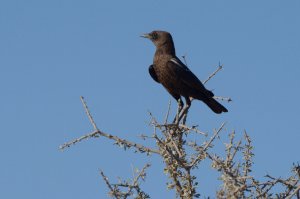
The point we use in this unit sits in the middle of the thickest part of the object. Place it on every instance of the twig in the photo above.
(228, 99)
(182, 126)
(68, 144)
(168, 112)
(88, 113)
(112, 191)
(184, 59)
(271, 185)
(135, 181)
(166, 148)
(294, 193)
(207, 145)
(142, 173)
(174, 144)
(193, 128)
(185, 116)
(112, 137)
(214, 73)
(166, 133)
(97, 133)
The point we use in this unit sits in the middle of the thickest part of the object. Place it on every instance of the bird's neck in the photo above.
(166, 48)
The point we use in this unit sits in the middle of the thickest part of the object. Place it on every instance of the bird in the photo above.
(168, 70)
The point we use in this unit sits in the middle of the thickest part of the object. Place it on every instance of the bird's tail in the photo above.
(215, 106)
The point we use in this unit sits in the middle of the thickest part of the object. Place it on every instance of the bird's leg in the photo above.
(180, 105)
(179, 108)
(184, 112)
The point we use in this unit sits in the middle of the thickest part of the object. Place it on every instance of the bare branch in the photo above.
(168, 112)
(135, 184)
(296, 191)
(113, 191)
(184, 59)
(116, 190)
(228, 99)
(208, 144)
(118, 140)
(98, 133)
(88, 113)
(213, 74)
(182, 155)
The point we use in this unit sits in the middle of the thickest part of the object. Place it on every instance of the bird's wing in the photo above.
(186, 76)
(153, 74)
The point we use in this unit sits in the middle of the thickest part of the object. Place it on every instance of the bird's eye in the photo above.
(154, 35)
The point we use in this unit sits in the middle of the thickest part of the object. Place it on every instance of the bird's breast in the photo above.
(161, 70)
(166, 76)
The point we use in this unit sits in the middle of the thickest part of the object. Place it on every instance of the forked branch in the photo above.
(96, 133)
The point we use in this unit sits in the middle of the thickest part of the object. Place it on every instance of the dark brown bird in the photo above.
(175, 76)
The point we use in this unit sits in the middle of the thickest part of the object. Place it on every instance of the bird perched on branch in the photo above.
(175, 76)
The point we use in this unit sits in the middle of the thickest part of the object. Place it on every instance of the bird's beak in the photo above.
(146, 36)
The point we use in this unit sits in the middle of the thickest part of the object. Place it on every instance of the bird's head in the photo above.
(159, 38)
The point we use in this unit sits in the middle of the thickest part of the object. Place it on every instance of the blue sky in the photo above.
(51, 52)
